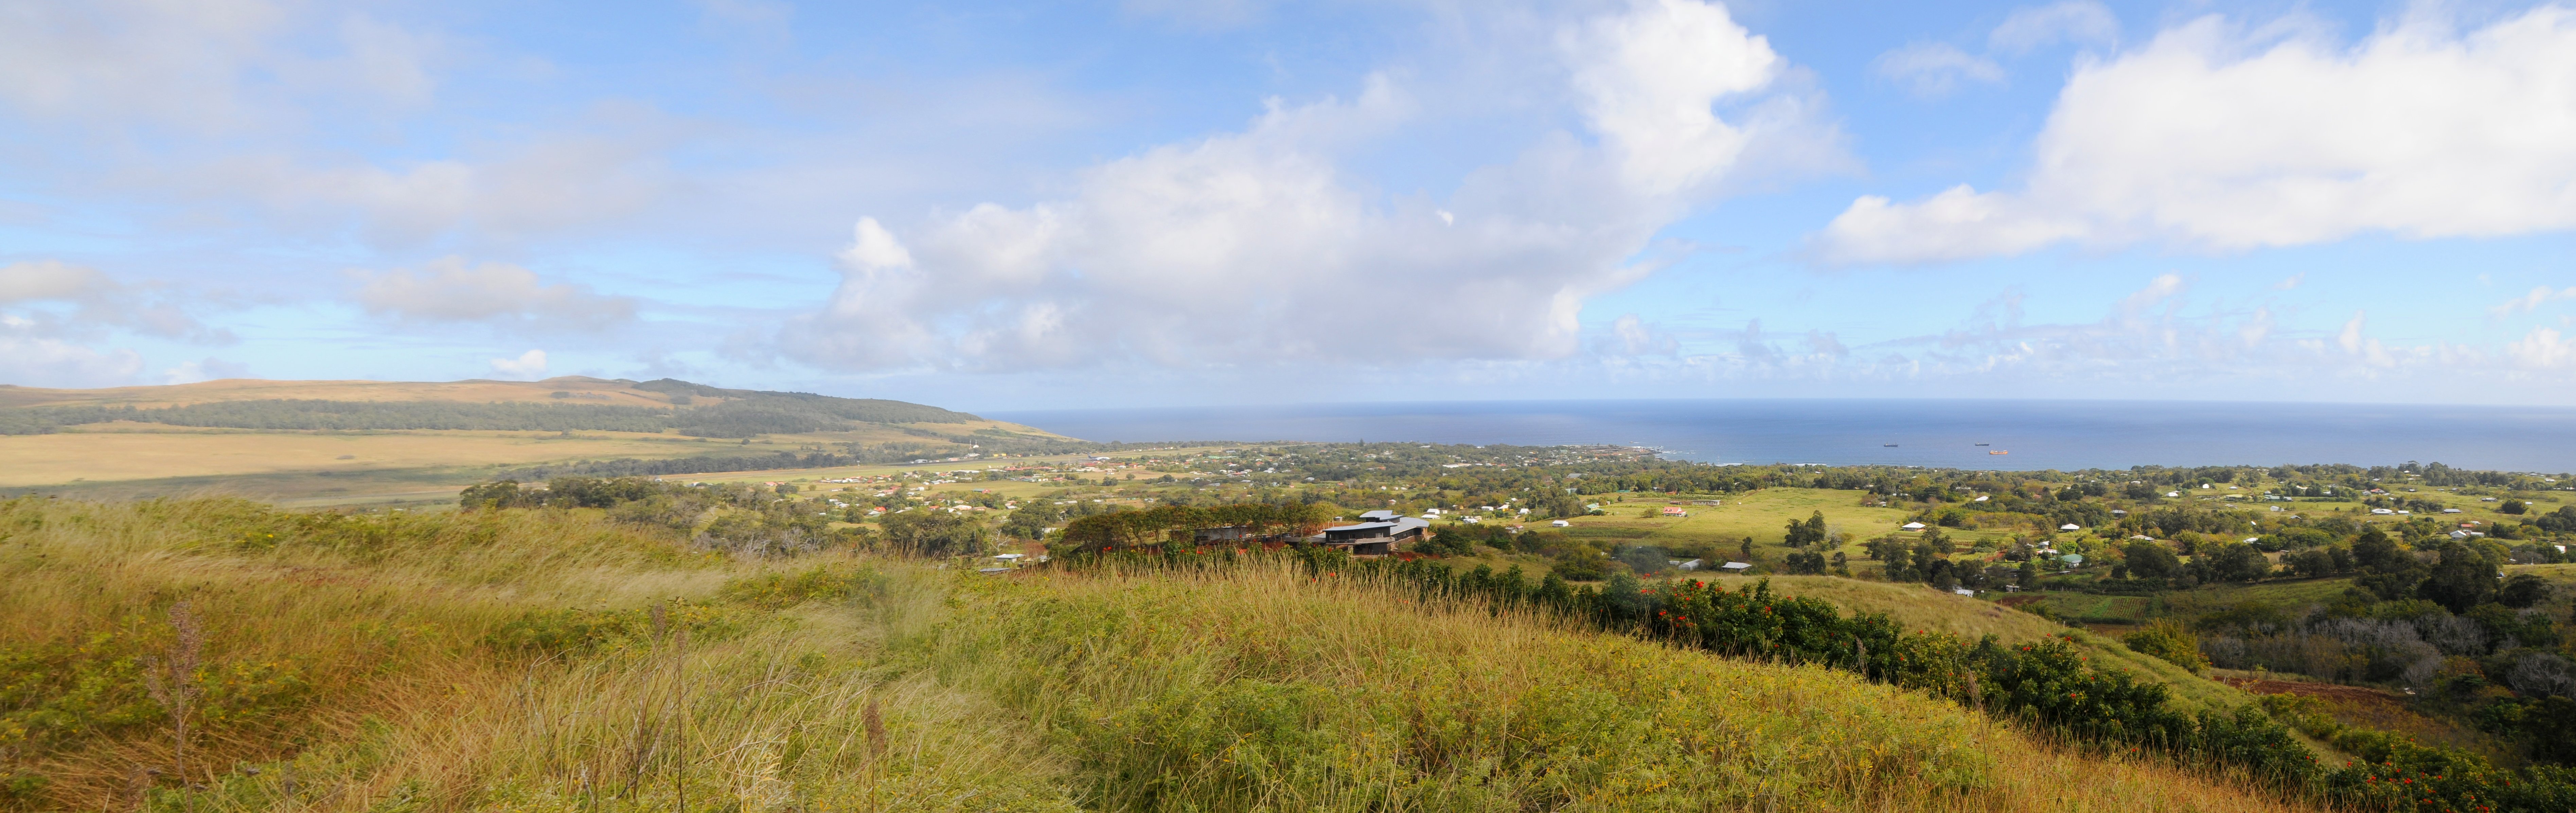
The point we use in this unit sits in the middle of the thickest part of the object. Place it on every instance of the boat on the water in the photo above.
(1888, 445)
(1998, 451)
(1985, 444)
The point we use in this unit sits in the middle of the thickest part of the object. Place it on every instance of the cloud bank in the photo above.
(1257, 246)
(2212, 137)
(450, 290)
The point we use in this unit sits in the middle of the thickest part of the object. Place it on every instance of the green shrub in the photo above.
(2170, 641)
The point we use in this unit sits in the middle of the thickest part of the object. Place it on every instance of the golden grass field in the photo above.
(127, 459)
(120, 453)
(504, 661)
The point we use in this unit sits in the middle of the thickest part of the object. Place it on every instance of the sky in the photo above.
(996, 206)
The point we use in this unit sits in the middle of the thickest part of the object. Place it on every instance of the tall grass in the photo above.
(1259, 689)
(514, 661)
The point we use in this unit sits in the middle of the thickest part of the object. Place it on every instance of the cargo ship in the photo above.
(1998, 451)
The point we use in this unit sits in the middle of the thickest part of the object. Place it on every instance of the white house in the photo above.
(1910, 526)
(1561, 524)
(1736, 567)
(2070, 527)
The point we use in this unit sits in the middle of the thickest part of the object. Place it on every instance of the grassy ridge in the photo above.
(510, 660)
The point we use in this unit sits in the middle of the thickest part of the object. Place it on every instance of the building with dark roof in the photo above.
(1378, 535)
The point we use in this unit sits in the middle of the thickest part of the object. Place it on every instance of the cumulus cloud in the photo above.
(2217, 138)
(2542, 349)
(1934, 69)
(2082, 22)
(1257, 246)
(450, 290)
(530, 365)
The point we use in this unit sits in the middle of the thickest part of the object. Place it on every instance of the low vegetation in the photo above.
(558, 658)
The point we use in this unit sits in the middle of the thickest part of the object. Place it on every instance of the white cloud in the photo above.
(1256, 247)
(1934, 69)
(449, 290)
(2083, 22)
(1648, 79)
(2542, 349)
(530, 365)
(2529, 302)
(2214, 138)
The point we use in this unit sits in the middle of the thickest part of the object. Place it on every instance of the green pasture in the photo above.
(1763, 515)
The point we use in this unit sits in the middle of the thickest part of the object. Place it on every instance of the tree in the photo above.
(1803, 534)
(2148, 560)
(2235, 562)
(2465, 578)
(2513, 506)
(2389, 571)
(1747, 549)
(2029, 579)
(2523, 590)
(935, 533)
(2310, 563)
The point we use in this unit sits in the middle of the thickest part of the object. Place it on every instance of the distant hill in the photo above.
(568, 403)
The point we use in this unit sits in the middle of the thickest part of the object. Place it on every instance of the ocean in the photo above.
(2063, 435)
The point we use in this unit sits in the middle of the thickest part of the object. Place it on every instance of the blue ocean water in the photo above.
(2062, 435)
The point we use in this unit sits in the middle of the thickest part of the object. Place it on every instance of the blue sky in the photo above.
(998, 206)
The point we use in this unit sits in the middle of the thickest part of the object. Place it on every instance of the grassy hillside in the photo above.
(361, 442)
(515, 660)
